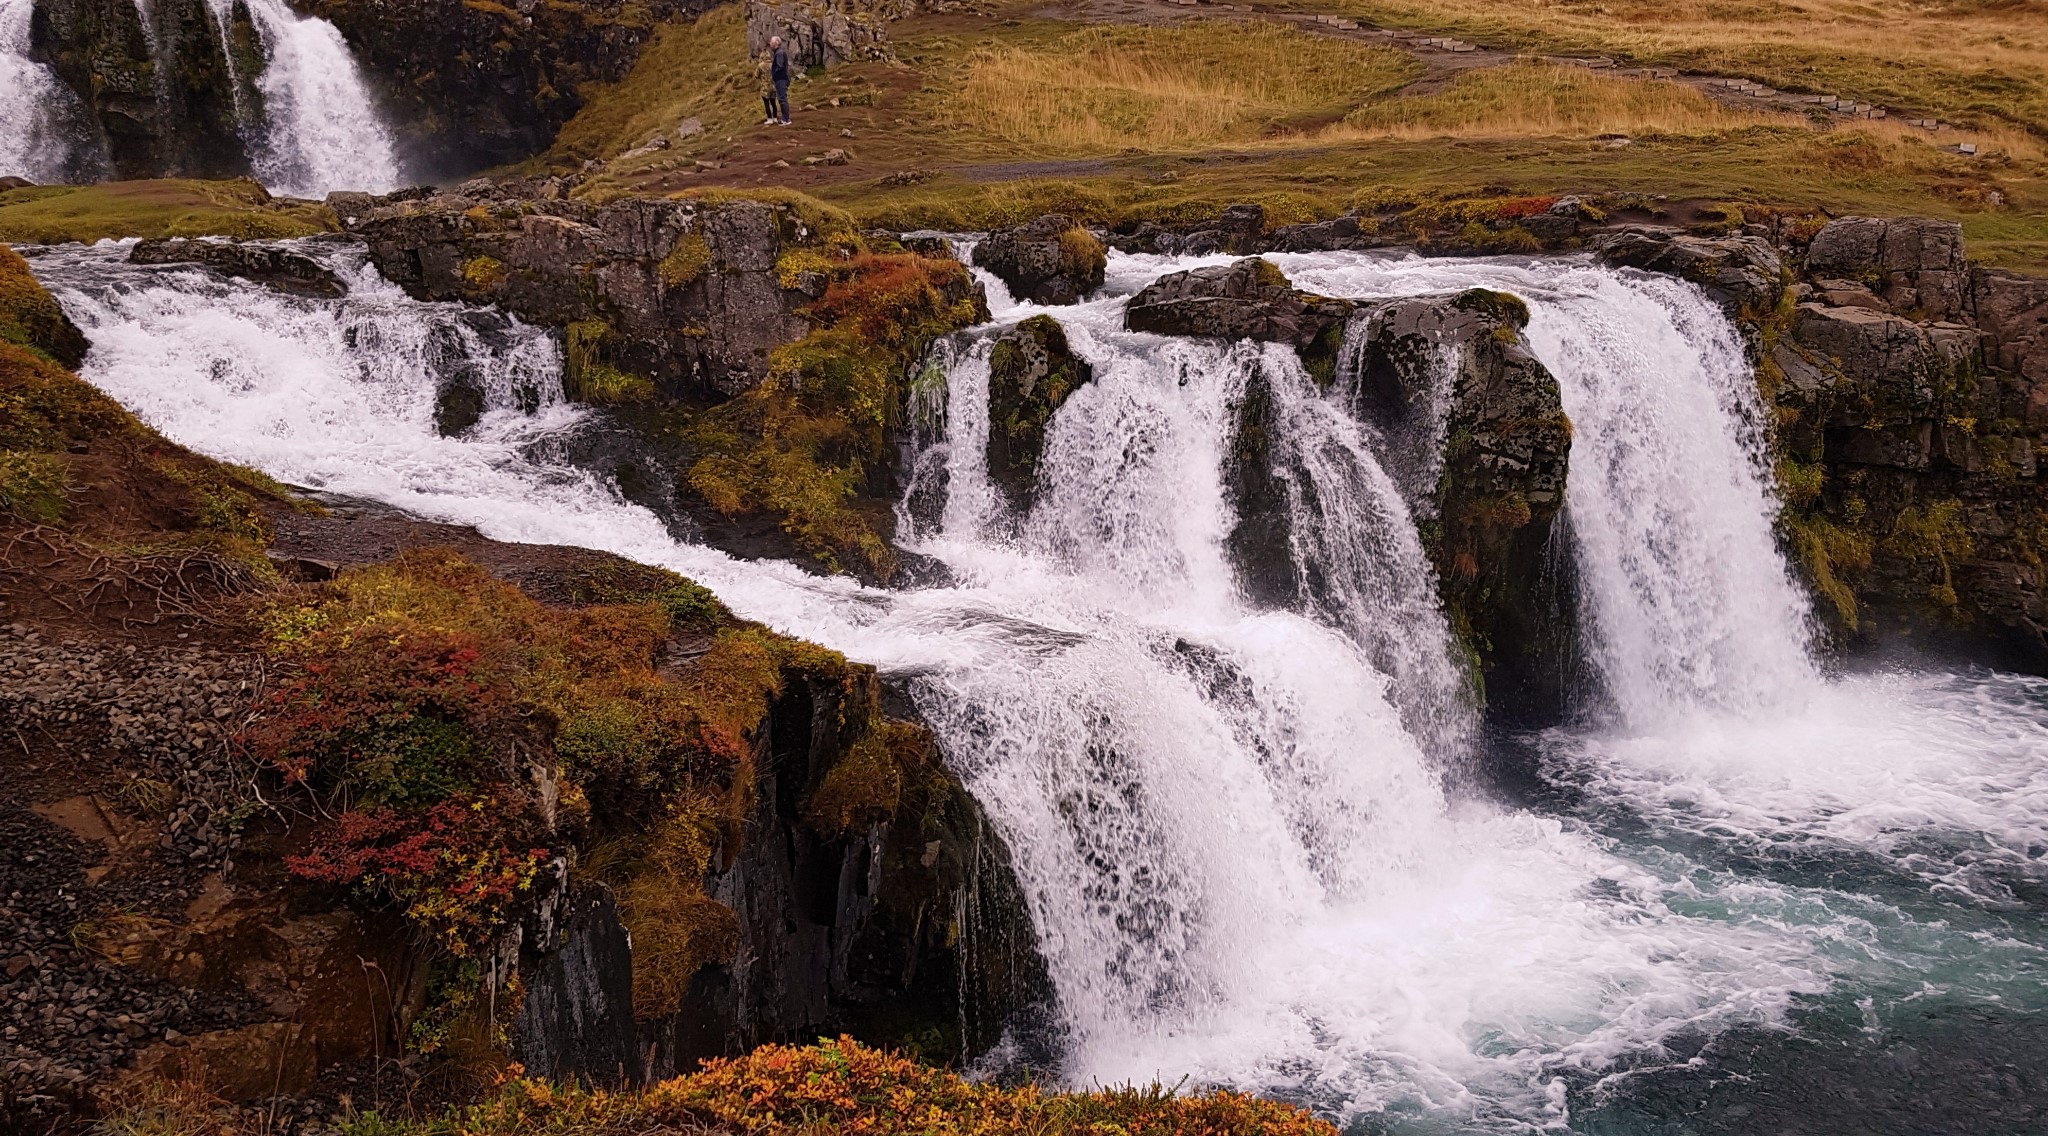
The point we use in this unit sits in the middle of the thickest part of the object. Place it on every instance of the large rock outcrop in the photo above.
(168, 95)
(1476, 432)
(1031, 372)
(269, 265)
(683, 293)
(1248, 299)
(1050, 260)
(1743, 272)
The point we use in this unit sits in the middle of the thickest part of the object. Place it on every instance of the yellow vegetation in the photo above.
(1103, 89)
(1972, 62)
(1535, 99)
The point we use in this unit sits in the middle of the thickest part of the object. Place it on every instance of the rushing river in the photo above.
(1742, 894)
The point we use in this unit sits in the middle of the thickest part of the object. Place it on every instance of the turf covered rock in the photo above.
(1050, 260)
(1032, 370)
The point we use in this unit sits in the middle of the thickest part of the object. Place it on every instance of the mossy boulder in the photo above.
(1248, 299)
(1031, 372)
(30, 317)
(1481, 449)
(1049, 260)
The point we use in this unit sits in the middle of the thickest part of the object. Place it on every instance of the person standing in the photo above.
(764, 80)
(778, 73)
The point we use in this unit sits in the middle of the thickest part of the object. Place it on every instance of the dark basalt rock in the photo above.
(164, 97)
(1490, 510)
(269, 265)
(1032, 370)
(1050, 260)
(1250, 299)
(1915, 263)
(681, 292)
(1742, 272)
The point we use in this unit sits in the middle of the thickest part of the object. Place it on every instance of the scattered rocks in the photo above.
(268, 265)
(833, 157)
(1049, 260)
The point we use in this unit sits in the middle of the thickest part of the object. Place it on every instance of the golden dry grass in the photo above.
(1531, 99)
(1976, 62)
(698, 69)
(1103, 90)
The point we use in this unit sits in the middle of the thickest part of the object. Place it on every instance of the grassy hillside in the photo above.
(986, 118)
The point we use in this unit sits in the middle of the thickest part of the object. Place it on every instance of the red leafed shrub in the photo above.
(354, 700)
(456, 867)
(1523, 207)
(896, 299)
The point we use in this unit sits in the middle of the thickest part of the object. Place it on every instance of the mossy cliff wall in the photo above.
(166, 93)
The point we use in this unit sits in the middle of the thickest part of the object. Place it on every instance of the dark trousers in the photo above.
(782, 97)
(768, 105)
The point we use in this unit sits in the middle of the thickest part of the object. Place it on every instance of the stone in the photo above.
(268, 265)
(1049, 260)
(1248, 299)
(1483, 451)
(1915, 263)
(1032, 371)
(1742, 272)
(1902, 369)
(690, 127)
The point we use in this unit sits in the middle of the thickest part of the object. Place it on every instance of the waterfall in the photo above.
(46, 133)
(1240, 849)
(319, 129)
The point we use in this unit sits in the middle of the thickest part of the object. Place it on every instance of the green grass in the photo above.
(171, 207)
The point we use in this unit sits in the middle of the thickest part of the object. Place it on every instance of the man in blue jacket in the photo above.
(778, 72)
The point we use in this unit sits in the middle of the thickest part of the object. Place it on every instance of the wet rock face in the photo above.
(909, 927)
(1482, 452)
(1743, 272)
(1050, 260)
(277, 268)
(1250, 299)
(163, 93)
(1032, 371)
(683, 293)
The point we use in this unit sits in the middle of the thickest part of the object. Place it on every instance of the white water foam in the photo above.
(1243, 868)
(320, 130)
(45, 132)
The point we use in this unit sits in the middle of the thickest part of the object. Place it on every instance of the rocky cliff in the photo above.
(1911, 399)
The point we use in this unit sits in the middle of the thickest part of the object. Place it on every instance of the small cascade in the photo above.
(46, 133)
(318, 130)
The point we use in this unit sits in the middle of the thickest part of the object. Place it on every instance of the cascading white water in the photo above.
(1243, 867)
(320, 130)
(45, 133)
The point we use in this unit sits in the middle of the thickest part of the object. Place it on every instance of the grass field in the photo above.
(1975, 62)
(991, 117)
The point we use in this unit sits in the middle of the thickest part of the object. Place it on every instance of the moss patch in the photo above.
(167, 208)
